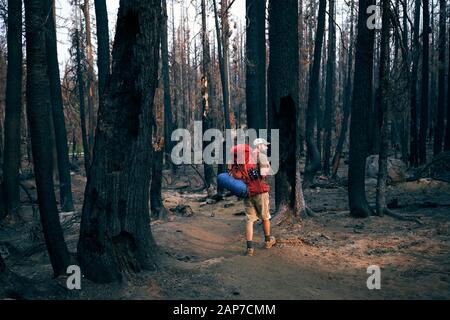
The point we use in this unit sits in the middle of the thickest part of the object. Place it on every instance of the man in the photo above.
(257, 203)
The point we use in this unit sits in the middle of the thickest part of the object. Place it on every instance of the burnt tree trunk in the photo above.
(414, 143)
(92, 103)
(222, 48)
(168, 124)
(384, 110)
(115, 235)
(13, 106)
(330, 90)
(361, 106)
(313, 154)
(255, 89)
(283, 101)
(439, 130)
(80, 81)
(347, 98)
(38, 101)
(425, 84)
(447, 129)
(62, 150)
(207, 94)
(104, 60)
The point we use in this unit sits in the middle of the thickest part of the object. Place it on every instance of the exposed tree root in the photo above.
(395, 215)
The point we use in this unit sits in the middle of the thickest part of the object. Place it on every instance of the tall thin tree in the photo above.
(208, 93)
(330, 90)
(255, 88)
(38, 101)
(447, 129)
(59, 125)
(384, 109)
(361, 105)
(347, 95)
(313, 155)
(168, 125)
(425, 83)
(13, 107)
(414, 142)
(104, 59)
(439, 131)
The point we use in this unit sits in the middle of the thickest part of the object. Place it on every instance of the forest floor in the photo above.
(323, 257)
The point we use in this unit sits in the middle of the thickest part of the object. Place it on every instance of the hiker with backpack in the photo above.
(252, 167)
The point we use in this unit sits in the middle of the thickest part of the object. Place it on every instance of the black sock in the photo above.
(249, 244)
(267, 237)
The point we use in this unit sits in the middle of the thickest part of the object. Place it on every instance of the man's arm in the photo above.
(264, 165)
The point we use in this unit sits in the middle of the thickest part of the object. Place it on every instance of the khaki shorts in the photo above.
(257, 207)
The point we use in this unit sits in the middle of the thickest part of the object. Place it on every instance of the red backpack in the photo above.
(245, 167)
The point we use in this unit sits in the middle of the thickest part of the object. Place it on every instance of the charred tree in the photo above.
(347, 97)
(207, 91)
(425, 84)
(81, 97)
(447, 129)
(222, 35)
(361, 106)
(115, 235)
(384, 110)
(38, 101)
(104, 60)
(59, 125)
(439, 130)
(283, 101)
(13, 107)
(313, 154)
(92, 103)
(330, 90)
(414, 143)
(168, 124)
(255, 89)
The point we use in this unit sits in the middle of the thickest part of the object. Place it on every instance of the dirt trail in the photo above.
(323, 258)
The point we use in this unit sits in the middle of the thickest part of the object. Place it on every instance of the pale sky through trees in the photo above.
(64, 11)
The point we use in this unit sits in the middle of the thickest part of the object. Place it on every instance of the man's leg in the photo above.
(266, 228)
(251, 218)
(264, 209)
(249, 231)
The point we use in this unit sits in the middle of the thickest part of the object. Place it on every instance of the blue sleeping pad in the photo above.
(235, 186)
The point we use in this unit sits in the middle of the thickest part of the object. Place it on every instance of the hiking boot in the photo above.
(269, 244)
(249, 252)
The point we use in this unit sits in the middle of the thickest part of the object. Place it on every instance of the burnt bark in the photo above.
(330, 90)
(81, 96)
(384, 110)
(347, 98)
(425, 84)
(222, 36)
(283, 101)
(439, 130)
(255, 88)
(38, 102)
(168, 122)
(447, 129)
(207, 94)
(91, 99)
(414, 142)
(59, 126)
(361, 106)
(115, 235)
(13, 106)
(104, 59)
(313, 154)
